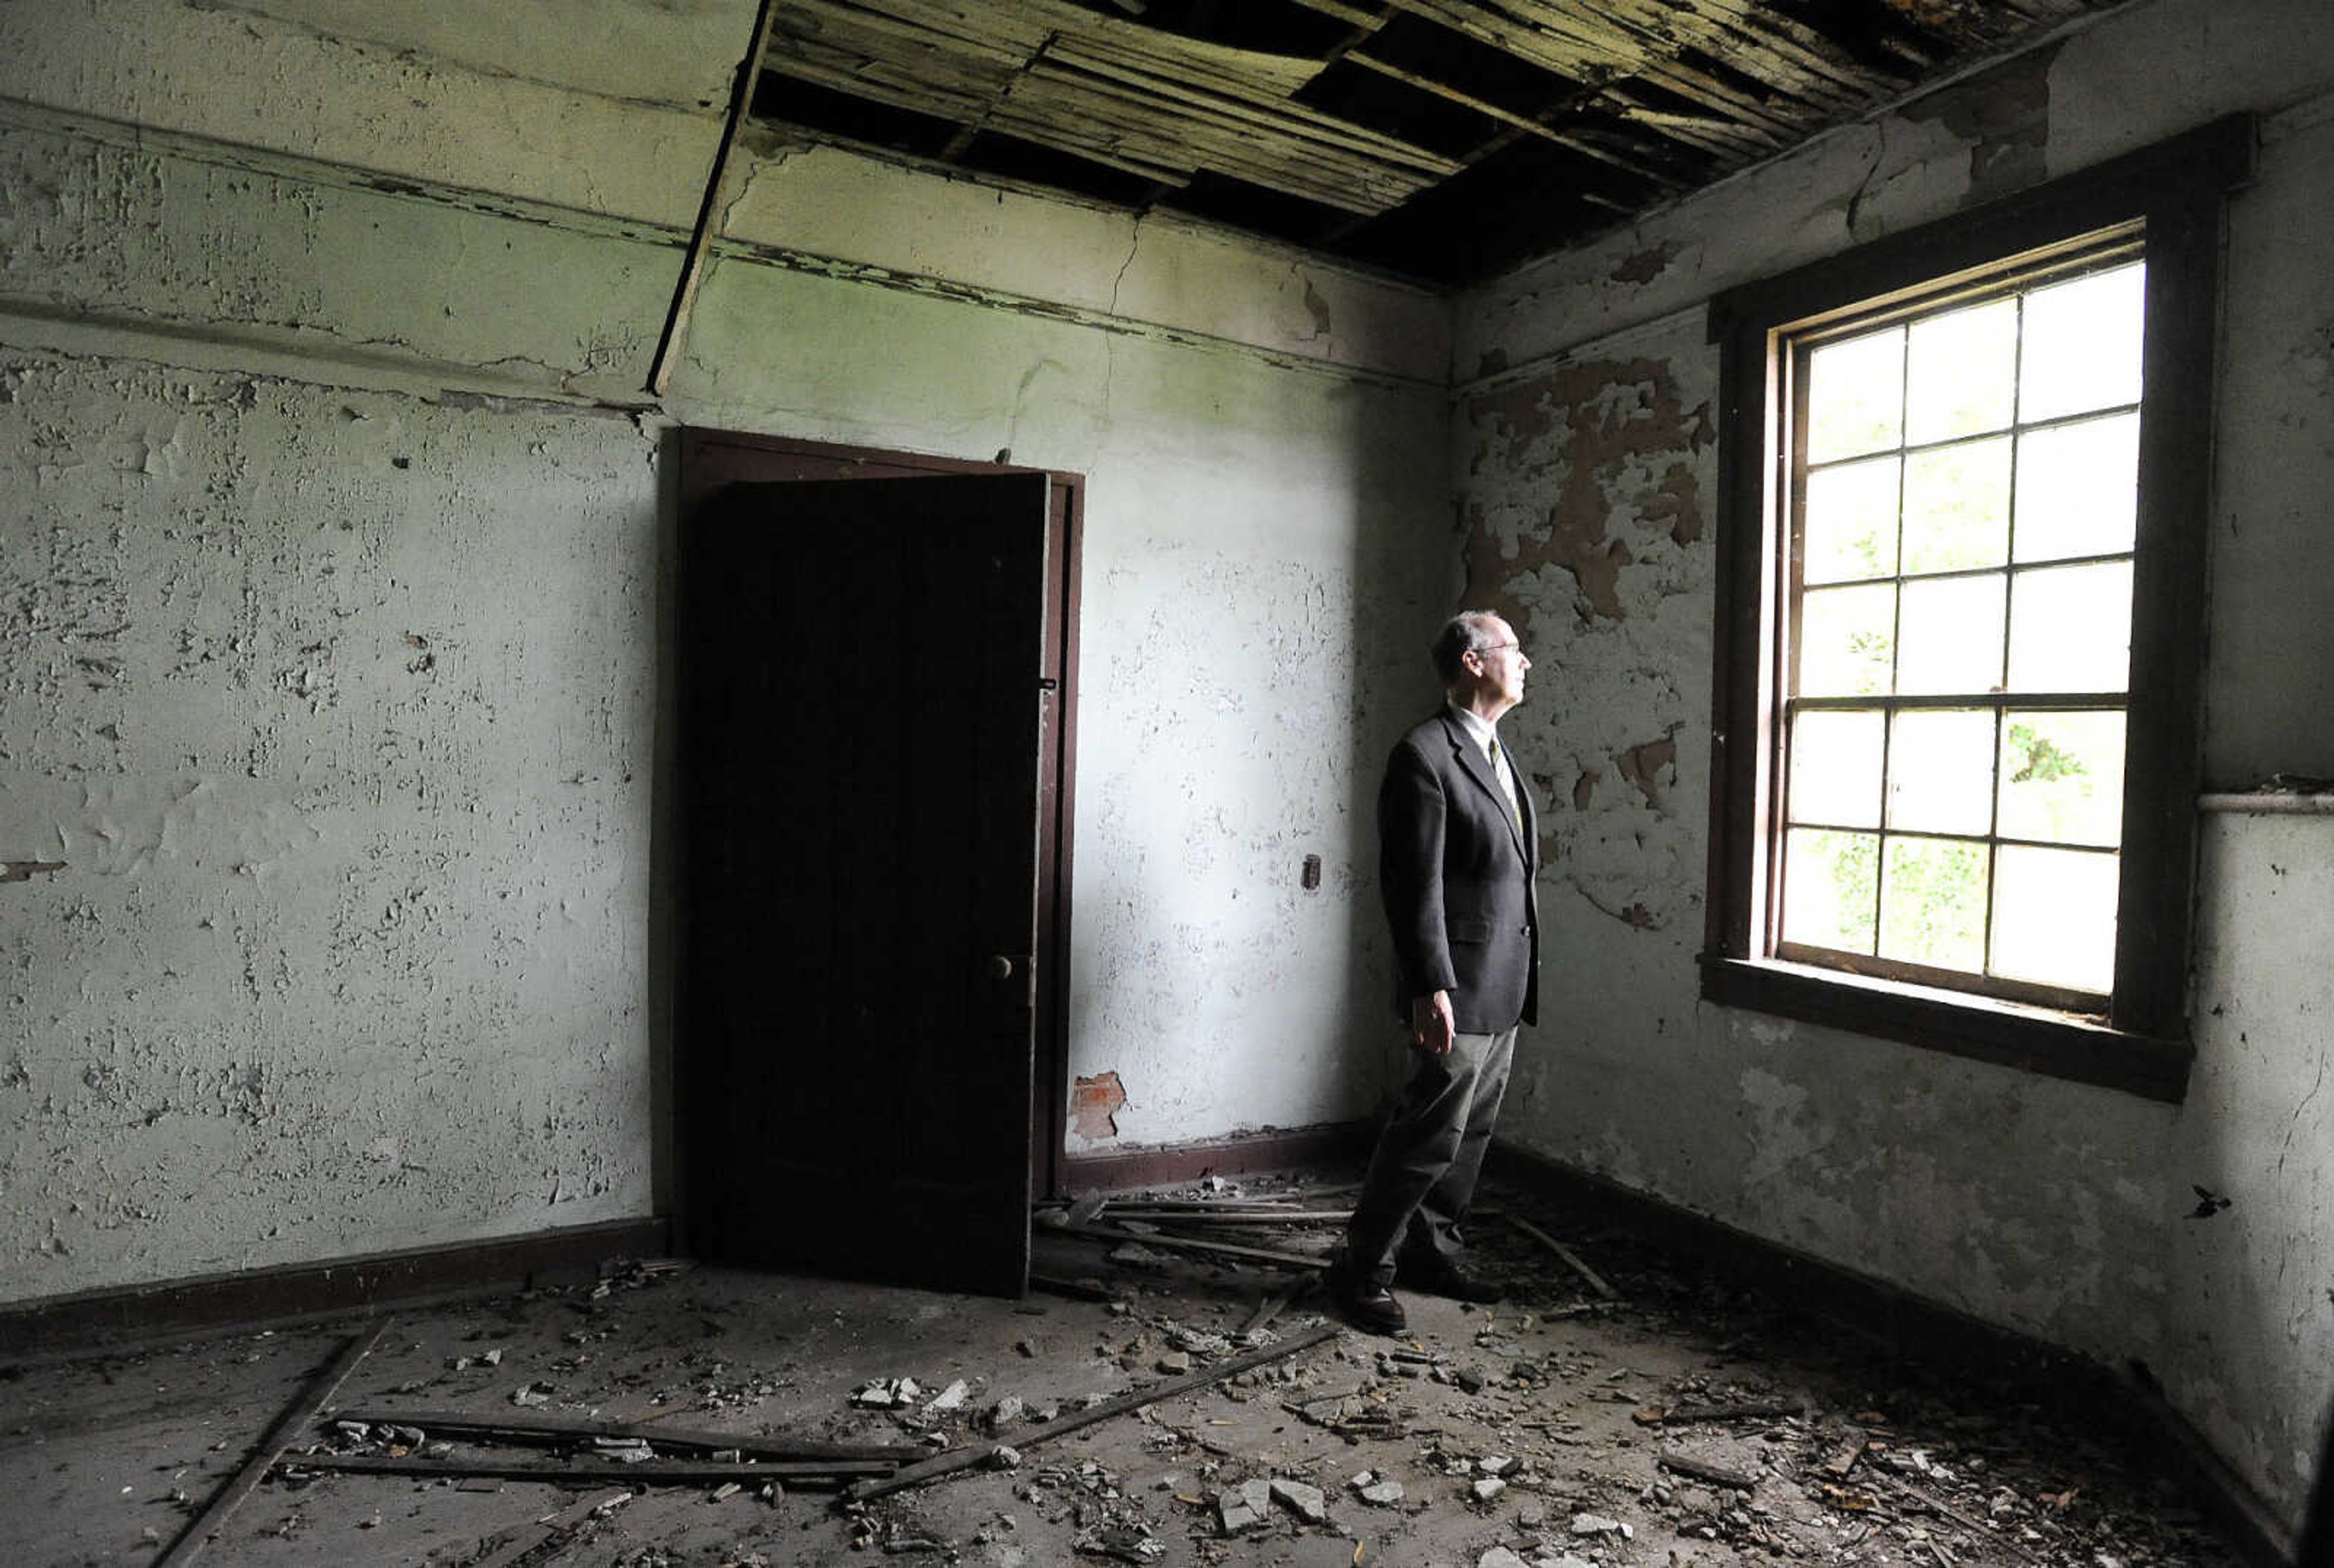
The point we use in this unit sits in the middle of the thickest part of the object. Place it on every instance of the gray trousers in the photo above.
(1421, 1176)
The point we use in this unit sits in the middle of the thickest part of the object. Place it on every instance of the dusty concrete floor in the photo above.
(1580, 1410)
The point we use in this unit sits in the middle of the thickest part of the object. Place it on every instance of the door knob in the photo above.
(1001, 968)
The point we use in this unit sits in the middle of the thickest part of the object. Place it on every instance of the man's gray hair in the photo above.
(1469, 631)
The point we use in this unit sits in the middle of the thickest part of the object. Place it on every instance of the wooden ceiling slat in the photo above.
(1291, 121)
(1135, 98)
(1759, 43)
(931, 91)
(1450, 94)
(1252, 74)
(1820, 51)
(1729, 148)
(824, 20)
(1525, 123)
(1352, 15)
(1048, 107)
(1670, 93)
(1587, 49)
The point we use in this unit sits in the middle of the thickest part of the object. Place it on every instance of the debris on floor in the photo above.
(1173, 1395)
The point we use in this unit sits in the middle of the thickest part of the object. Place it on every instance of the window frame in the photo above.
(2172, 194)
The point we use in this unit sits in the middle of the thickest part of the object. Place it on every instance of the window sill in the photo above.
(2032, 1039)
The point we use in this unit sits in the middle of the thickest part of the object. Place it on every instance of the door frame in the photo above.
(704, 460)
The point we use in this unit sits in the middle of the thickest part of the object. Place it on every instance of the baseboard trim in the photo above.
(1276, 1149)
(2126, 1402)
(90, 1320)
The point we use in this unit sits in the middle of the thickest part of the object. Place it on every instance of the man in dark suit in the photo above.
(1456, 863)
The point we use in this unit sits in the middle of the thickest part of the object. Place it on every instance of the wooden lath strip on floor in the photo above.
(956, 1460)
(530, 1427)
(295, 1417)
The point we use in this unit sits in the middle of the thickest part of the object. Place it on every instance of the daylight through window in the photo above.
(1962, 497)
(1964, 494)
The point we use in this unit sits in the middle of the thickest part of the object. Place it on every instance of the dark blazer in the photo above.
(1457, 879)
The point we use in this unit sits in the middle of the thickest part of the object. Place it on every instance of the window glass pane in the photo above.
(1941, 772)
(1850, 521)
(1836, 769)
(1847, 640)
(1855, 396)
(2054, 917)
(2081, 345)
(1830, 889)
(1964, 365)
(2069, 628)
(2077, 488)
(2062, 777)
(1957, 506)
(1933, 903)
(1950, 636)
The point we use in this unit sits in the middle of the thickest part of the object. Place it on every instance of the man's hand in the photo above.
(1431, 1027)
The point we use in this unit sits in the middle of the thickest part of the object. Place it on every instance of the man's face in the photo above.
(1501, 666)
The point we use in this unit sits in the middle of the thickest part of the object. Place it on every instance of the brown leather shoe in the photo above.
(1438, 1277)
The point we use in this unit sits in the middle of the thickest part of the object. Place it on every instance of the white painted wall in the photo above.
(329, 678)
(331, 710)
(2053, 1208)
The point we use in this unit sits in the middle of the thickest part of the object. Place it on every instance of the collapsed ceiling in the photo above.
(1441, 138)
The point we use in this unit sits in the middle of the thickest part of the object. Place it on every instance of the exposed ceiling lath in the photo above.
(1442, 137)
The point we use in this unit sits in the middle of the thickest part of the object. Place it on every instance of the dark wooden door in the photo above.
(861, 678)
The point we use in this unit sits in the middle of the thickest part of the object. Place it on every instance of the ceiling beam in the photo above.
(692, 267)
(961, 142)
(1524, 123)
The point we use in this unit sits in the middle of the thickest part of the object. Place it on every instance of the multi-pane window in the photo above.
(1956, 663)
(1964, 483)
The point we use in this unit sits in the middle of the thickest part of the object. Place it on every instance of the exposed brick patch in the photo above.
(1095, 1105)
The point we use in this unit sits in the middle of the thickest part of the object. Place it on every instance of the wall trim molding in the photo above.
(2123, 1404)
(297, 169)
(206, 1304)
(1332, 1143)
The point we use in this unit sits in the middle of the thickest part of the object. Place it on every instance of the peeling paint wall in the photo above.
(342, 949)
(1582, 446)
(1262, 573)
(328, 681)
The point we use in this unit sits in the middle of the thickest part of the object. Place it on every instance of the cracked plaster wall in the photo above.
(1261, 577)
(344, 944)
(1586, 472)
(330, 649)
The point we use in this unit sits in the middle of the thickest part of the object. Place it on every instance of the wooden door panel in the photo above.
(861, 710)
